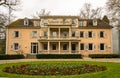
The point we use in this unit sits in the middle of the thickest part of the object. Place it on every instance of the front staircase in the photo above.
(29, 56)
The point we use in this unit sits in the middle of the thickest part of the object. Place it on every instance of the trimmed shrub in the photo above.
(59, 56)
(8, 57)
(104, 56)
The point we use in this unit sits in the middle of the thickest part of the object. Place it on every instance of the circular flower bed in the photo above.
(53, 69)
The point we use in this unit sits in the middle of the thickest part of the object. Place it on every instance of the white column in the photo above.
(69, 32)
(69, 46)
(78, 47)
(59, 47)
(48, 32)
(59, 32)
(48, 47)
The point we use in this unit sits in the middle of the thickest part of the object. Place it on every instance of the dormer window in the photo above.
(26, 22)
(73, 21)
(95, 22)
(45, 22)
(55, 21)
(81, 23)
(38, 23)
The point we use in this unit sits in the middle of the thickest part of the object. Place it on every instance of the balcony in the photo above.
(58, 38)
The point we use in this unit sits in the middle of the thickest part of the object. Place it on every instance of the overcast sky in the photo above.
(57, 7)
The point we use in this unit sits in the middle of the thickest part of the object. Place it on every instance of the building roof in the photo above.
(20, 22)
(58, 16)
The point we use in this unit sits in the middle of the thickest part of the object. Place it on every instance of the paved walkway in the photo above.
(84, 59)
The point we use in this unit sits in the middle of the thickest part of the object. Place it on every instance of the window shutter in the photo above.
(98, 46)
(105, 35)
(13, 34)
(86, 46)
(94, 47)
(12, 47)
(31, 35)
(86, 34)
(20, 34)
(99, 35)
(93, 34)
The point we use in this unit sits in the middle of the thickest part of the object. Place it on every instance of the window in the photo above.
(64, 34)
(94, 22)
(90, 46)
(90, 34)
(26, 21)
(81, 34)
(81, 23)
(102, 46)
(55, 21)
(45, 34)
(16, 46)
(64, 20)
(64, 46)
(45, 47)
(45, 21)
(73, 21)
(38, 23)
(82, 46)
(102, 35)
(73, 34)
(54, 34)
(54, 47)
(16, 34)
(34, 34)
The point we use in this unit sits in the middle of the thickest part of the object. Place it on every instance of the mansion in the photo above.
(59, 35)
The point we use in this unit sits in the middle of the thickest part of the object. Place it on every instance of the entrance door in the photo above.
(34, 48)
(73, 47)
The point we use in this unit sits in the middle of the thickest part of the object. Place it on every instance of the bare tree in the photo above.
(11, 5)
(113, 9)
(89, 13)
(42, 12)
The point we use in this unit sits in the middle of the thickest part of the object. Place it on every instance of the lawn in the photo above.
(113, 70)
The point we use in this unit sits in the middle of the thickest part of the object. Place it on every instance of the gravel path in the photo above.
(84, 59)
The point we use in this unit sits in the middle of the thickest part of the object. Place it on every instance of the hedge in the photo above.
(104, 55)
(58, 56)
(8, 57)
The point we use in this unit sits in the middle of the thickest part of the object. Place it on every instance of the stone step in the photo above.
(29, 56)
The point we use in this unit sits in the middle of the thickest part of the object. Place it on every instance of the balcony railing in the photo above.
(57, 37)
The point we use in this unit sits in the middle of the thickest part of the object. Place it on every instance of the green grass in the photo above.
(113, 70)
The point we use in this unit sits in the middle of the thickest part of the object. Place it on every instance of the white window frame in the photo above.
(38, 23)
(95, 22)
(18, 47)
(45, 21)
(81, 23)
(54, 34)
(73, 22)
(83, 34)
(104, 47)
(93, 47)
(14, 34)
(103, 34)
(26, 22)
(45, 34)
(92, 34)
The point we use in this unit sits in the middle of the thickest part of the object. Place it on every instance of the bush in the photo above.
(58, 56)
(7, 57)
(104, 56)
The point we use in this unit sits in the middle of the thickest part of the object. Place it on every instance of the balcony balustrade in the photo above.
(58, 38)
